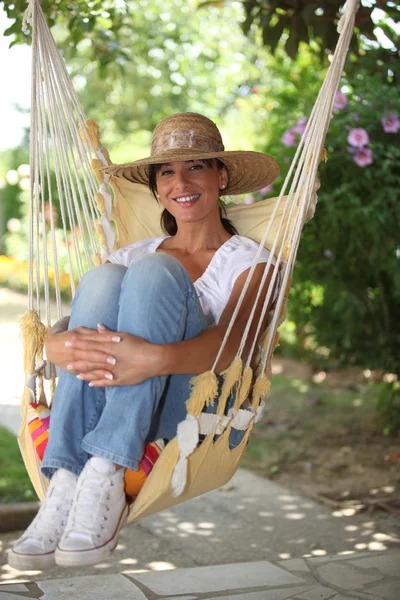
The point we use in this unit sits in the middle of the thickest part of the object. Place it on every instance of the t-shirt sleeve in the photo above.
(117, 257)
(243, 260)
(129, 254)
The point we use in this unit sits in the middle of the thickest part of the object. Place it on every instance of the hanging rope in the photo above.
(299, 205)
(63, 142)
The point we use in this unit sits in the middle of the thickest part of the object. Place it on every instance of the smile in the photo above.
(184, 199)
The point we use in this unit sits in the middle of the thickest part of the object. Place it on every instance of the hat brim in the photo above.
(248, 171)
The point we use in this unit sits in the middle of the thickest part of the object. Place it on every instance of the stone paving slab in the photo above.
(220, 578)
(346, 577)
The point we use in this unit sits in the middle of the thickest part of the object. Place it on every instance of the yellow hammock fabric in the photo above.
(212, 464)
(181, 472)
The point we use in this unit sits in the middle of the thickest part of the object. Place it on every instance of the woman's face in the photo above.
(189, 190)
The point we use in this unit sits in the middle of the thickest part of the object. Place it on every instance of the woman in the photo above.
(141, 326)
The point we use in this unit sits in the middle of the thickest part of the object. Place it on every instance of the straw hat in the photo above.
(190, 136)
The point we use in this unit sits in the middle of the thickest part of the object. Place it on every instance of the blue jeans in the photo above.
(155, 299)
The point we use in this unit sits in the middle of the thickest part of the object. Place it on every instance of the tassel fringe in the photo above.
(260, 389)
(244, 387)
(33, 337)
(231, 377)
(204, 391)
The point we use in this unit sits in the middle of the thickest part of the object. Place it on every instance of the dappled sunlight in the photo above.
(102, 566)
(128, 561)
(10, 575)
(161, 566)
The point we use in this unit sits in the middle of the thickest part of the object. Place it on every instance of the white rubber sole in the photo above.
(31, 562)
(78, 558)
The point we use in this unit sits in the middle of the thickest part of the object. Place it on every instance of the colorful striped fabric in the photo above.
(135, 480)
(38, 427)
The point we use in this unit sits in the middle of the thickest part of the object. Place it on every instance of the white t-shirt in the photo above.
(215, 285)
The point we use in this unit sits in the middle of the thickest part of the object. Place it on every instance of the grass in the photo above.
(319, 434)
(15, 485)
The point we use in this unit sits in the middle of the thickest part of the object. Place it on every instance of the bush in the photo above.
(350, 251)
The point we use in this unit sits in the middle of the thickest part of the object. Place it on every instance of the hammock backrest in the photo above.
(57, 117)
(137, 215)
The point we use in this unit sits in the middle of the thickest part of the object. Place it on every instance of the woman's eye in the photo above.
(196, 167)
(166, 172)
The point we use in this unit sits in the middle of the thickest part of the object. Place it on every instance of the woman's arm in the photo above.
(198, 354)
(136, 359)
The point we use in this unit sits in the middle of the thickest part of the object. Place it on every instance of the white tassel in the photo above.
(179, 477)
(243, 419)
(188, 438)
(259, 411)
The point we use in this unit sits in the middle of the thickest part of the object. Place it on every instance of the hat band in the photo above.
(184, 140)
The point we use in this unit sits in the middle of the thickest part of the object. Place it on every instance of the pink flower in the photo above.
(358, 137)
(300, 126)
(249, 200)
(390, 123)
(266, 189)
(340, 101)
(288, 138)
(364, 157)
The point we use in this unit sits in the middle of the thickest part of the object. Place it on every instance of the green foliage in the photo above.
(99, 22)
(351, 247)
(10, 190)
(389, 406)
(15, 485)
(105, 27)
(314, 23)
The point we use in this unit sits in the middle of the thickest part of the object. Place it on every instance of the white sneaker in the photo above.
(35, 549)
(98, 513)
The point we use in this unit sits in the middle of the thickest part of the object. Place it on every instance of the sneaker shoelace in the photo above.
(91, 507)
(51, 517)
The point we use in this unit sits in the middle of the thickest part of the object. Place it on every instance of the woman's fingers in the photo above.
(88, 341)
(85, 367)
(97, 375)
(101, 383)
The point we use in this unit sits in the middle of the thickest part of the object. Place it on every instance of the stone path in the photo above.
(346, 577)
(251, 540)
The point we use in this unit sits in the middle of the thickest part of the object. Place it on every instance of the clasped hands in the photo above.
(103, 358)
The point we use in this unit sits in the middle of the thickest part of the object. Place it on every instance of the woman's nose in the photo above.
(181, 179)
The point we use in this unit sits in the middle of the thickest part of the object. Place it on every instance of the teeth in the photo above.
(187, 198)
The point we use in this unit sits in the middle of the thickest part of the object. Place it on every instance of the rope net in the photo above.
(59, 152)
(64, 143)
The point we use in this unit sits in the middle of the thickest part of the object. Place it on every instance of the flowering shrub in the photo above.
(390, 123)
(14, 274)
(290, 138)
(351, 247)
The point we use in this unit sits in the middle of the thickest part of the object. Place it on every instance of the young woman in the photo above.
(141, 327)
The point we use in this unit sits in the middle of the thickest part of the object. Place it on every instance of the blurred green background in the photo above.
(255, 68)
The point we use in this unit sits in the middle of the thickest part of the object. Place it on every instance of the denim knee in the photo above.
(157, 267)
(97, 297)
(101, 277)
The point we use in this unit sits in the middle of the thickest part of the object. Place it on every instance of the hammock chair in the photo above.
(101, 214)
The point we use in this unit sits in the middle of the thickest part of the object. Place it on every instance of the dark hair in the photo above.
(168, 221)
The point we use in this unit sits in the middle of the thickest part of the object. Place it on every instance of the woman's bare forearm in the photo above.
(197, 354)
